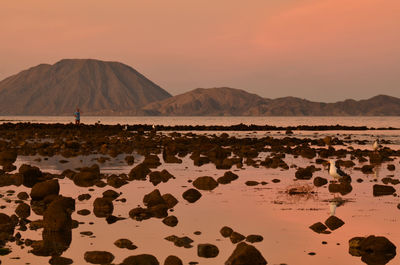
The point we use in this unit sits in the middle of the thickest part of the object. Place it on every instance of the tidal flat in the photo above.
(118, 194)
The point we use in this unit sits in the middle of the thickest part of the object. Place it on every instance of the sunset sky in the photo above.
(325, 50)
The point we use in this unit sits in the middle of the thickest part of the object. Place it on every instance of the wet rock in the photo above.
(367, 169)
(125, 243)
(191, 195)
(84, 197)
(87, 176)
(83, 212)
(236, 237)
(173, 260)
(390, 181)
(57, 216)
(382, 190)
(102, 207)
(227, 178)
(226, 231)
(143, 259)
(170, 221)
(130, 160)
(23, 195)
(117, 181)
(98, 257)
(245, 254)
(42, 189)
(140, 214)
(318, 227)
(180, 241)
(54, 243)
(151, 161)
(8, 157)
(318, 181)
(207, 250)
(139, 172)
(372, 249)
(342, 188)
(333, 222)
(23, 210)
(6, 228)
(305, 173)
(169, 200)
(158, 211)
(205, 183)
(254, 238)
(157, 177)
(153, 198)
(31, 175)
(60, 261)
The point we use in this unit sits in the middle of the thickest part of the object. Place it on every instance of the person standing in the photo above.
(77, 115)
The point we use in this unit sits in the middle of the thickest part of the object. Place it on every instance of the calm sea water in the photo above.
(214, 120)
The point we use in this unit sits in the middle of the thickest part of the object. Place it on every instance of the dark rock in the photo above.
(31, 175)
(381, 190)
(87, 176)
(227, 178)
(85, 196)
(372, 249)
(180, 241)
(125, 243)
(342, 188)
(42, 189)
(318, 181)
(153, 198)
(304, 173)
(130, 160)
(236, 237)
(252, 183)
(318, 227)
(57, 216)
(157, 177)
(158, 211)
(83, 212)
(254, 238)
(140, 214)
(60, 261)
(23, 195)
(23, 210)
(170, 221)
(245, 254)
(139, 172)
(169, 200)
(226, 231)
(110, 194)
(8, 157)
(207, 250)
(191, 195)
(391, 167)
(98, 257)
(173, 260)
(333, 222)
(205, 183)
(367, 169)
(102, 207)
(143, 259)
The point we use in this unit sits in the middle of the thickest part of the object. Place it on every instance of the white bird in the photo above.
(375, 145)
(332, 208)
(335, 171)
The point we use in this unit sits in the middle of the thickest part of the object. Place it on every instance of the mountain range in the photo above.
(112, 88)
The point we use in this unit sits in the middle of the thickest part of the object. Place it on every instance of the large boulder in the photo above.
(205, 183)
(143, 259)
(102, 207)
(139, 172)
(8, 157)
(372, 249)
(207, 250)
(191, 195)
(23, 210)
(42, 189)
(31, 175)
(87, 176)
(245, 254)
(57, 216)
(153, 198)
(98, 257)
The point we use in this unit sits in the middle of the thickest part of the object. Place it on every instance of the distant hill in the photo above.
(229, 102)
(96, 87)
(112, 88)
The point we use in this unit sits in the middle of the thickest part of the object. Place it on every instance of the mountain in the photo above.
(221, 101)
(96, 87)
(229, 102)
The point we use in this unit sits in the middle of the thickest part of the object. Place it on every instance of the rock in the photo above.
(157, 177)
(227, 178)
(6, 228)
(304, 173)
(372, 249)
(207, 250)
(382, 190)
(191, 195)
(83, 212)
(158, 211)
(252, 183)
(85, 196)
(110, 194)
(391, 167)
(130, 159)
(117, 181)
(143, 259)
(87, 176)
(98, 257)
(42, 189)
(170, 221)
(169, 200)
(23, 210)
(125, 243)
(226, 231)
(236, 237)
(173, 260)
(7, 157)
(180, 241)
(254, 238)
(153, 198)
(318, 227)
(102, 207)
(367, 169)
(60, 261)
(318, 181)
(205, 183)
(245, 254)
(23, 195)
(139, 172)
(333, 222)
(31, 175)
(342, 188)
(57, 216)
(151, 161)
(140, 214)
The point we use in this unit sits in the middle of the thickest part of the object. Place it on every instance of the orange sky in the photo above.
(317, 49)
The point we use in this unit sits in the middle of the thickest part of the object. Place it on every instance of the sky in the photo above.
(321, 50)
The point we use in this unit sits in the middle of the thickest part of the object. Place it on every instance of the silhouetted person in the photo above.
(77, 115)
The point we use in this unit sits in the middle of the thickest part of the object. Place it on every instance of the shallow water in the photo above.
(268, 210)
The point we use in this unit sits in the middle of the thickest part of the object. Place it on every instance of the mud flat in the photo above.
(113, 194)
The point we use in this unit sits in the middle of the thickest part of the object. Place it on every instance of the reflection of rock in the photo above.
(333, 222)
(245, 254)
(373, 250)
(342, 188)
(54, 243)
(381, 190)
